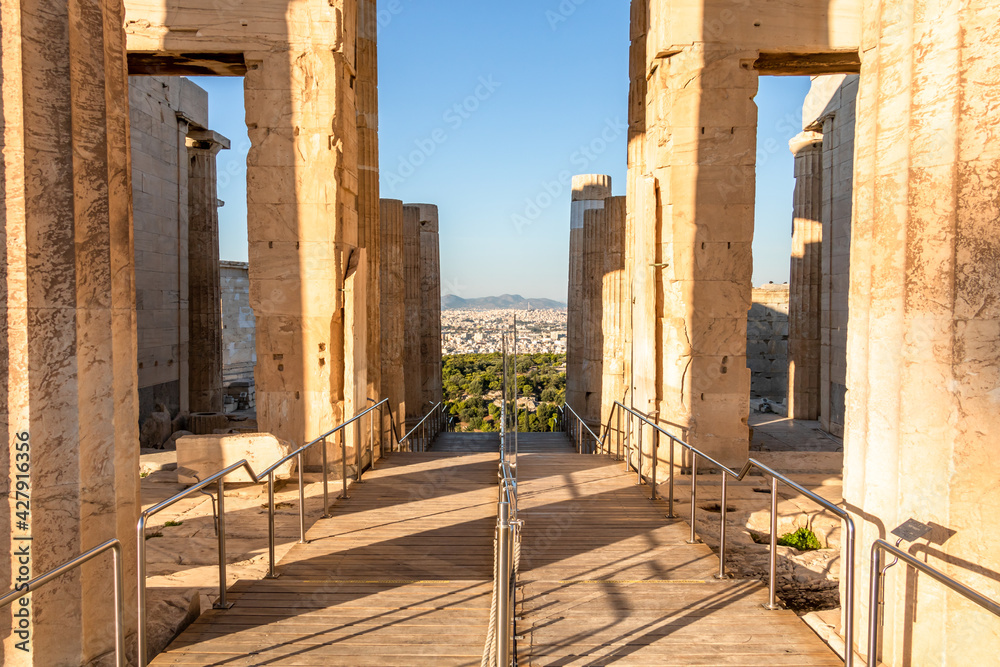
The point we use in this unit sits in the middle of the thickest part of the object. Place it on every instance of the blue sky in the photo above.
(485, 110)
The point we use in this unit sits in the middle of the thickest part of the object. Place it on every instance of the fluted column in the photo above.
(589, 193)
(204, 283)
(412, 364)
(615, 306)
(804, 307)
(369, 230)
(923, 359)
(68, 399)
(392, 308)
(430, 307)
(594, 222)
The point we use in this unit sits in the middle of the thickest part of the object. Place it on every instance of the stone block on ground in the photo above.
(170, 612)
(205, 455)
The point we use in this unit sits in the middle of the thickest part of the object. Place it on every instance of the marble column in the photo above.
(594, 223)
(412, 363)
(392, 309)
(204, 283)
(702, 200)
(923, 373)
(615, 307)
(430, 308)
(589, 193)
(302, 184)
(68, 340)
(369, 231)
(804, 305)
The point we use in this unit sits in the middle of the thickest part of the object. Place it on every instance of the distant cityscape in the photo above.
(479, 331)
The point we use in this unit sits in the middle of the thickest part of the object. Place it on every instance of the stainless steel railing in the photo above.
(876, 602)
(119, 589)
(506, 565)
(422, 435)
(577, 429)
(219, 478)
(500, 649)
(625, 437)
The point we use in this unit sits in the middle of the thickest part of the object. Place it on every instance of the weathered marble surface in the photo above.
(208, 454)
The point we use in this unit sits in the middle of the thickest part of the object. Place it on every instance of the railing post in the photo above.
(342, 436)
(618, 434)
(849, 602)
(302, 499)
(140, 531)
(638, 458)
(221, 603)
(670, 485)
(503, 587)
(371, 439)
(326, 485)
(271, 574)
(772, 568)
(656, 455)
(628, 441)
(874, 608)
(357, 452)
(722, 535)
(118, 557)
(694, 496)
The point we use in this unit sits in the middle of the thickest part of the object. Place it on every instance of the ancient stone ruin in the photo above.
(113, 287)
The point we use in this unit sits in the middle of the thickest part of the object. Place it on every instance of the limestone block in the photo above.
(208, 454)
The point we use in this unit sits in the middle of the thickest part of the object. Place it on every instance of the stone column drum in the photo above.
(412, 364)
(804, 307)
(594, 222)
(392, 309)
(589, 193)
(204, 282)
(430, 308)
(369, 231)
(924, 364)
(701, 218)
(616, 307)
(303, 233)
(68, 325)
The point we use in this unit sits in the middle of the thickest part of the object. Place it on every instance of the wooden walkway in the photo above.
(401, 575)
(607, 579)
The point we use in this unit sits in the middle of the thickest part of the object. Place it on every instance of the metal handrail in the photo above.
(500, 645)
(115, 546)
(218, 479)
(876, 603)
(579, 434)
(726, 474)
(423, 439)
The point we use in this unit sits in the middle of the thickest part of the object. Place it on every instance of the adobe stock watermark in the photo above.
(453, 118)
(563, 11)
(581, 160)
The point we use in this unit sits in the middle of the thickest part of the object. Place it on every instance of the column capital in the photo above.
(805, 141)
(208, 140)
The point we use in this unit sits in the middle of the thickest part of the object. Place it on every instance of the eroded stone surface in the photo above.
(206, 455)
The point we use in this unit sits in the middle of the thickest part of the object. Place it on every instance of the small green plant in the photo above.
(144, 474)
(171, 524)
(802, 539)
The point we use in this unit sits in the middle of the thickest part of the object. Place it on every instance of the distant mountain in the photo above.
(502, 302)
